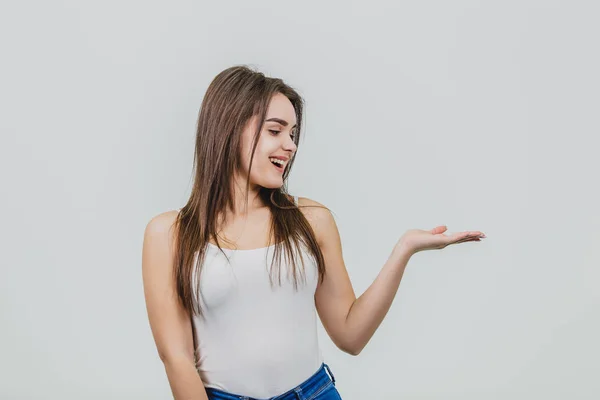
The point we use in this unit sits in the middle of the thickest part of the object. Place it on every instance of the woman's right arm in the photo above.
(169, 321)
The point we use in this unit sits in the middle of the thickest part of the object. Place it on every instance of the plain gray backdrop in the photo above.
(477, 115)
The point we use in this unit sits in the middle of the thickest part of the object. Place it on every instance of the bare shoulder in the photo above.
(161, 224)
(312, 208)
(320, 218)
(159, 232)
(169, 320)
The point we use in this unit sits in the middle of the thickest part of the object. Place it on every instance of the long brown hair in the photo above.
(233, 97)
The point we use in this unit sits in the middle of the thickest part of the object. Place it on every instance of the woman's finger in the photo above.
(469, 240)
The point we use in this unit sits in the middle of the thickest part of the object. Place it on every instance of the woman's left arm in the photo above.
(351, 321)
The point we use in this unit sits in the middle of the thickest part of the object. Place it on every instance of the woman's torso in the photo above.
(253, 338)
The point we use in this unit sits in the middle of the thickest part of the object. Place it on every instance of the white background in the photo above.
(477, 115)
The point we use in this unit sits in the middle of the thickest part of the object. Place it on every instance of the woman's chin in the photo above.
(268, 180)
(271, 183)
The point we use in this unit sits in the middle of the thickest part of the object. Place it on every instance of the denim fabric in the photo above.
(320, 386)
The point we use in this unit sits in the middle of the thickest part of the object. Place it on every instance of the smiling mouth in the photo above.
(279, 167)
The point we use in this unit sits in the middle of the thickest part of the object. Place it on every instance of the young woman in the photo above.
(234, 280)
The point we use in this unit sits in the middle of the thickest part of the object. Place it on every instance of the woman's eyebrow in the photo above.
(279, 120)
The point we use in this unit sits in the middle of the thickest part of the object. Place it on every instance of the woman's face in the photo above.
(275, 141)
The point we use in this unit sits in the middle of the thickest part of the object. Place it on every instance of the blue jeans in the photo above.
(320, 386)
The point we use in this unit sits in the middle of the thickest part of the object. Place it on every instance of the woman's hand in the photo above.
(416, 240)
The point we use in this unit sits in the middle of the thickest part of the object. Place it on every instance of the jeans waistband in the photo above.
(305, 390)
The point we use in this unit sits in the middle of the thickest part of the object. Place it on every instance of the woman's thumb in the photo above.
(439, 229)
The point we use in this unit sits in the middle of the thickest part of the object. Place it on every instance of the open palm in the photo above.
(416, 240)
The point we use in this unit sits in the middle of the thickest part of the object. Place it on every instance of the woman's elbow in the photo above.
(351, 348)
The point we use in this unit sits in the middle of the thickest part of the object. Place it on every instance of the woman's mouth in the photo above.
(278, 164)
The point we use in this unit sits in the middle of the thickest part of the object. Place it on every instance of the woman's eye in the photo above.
(274, 132)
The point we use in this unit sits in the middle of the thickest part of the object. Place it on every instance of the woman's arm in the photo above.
(350, 322)
(169, 321)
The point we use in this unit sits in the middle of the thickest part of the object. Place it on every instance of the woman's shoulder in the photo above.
(318, 215)
(160, 225)
(158, 245)
(307, 204)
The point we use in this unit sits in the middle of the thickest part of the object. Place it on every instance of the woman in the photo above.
(231, 317)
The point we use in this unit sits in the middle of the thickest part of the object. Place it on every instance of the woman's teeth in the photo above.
(277, 161)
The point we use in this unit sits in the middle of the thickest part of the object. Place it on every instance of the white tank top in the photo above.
(254, 339)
